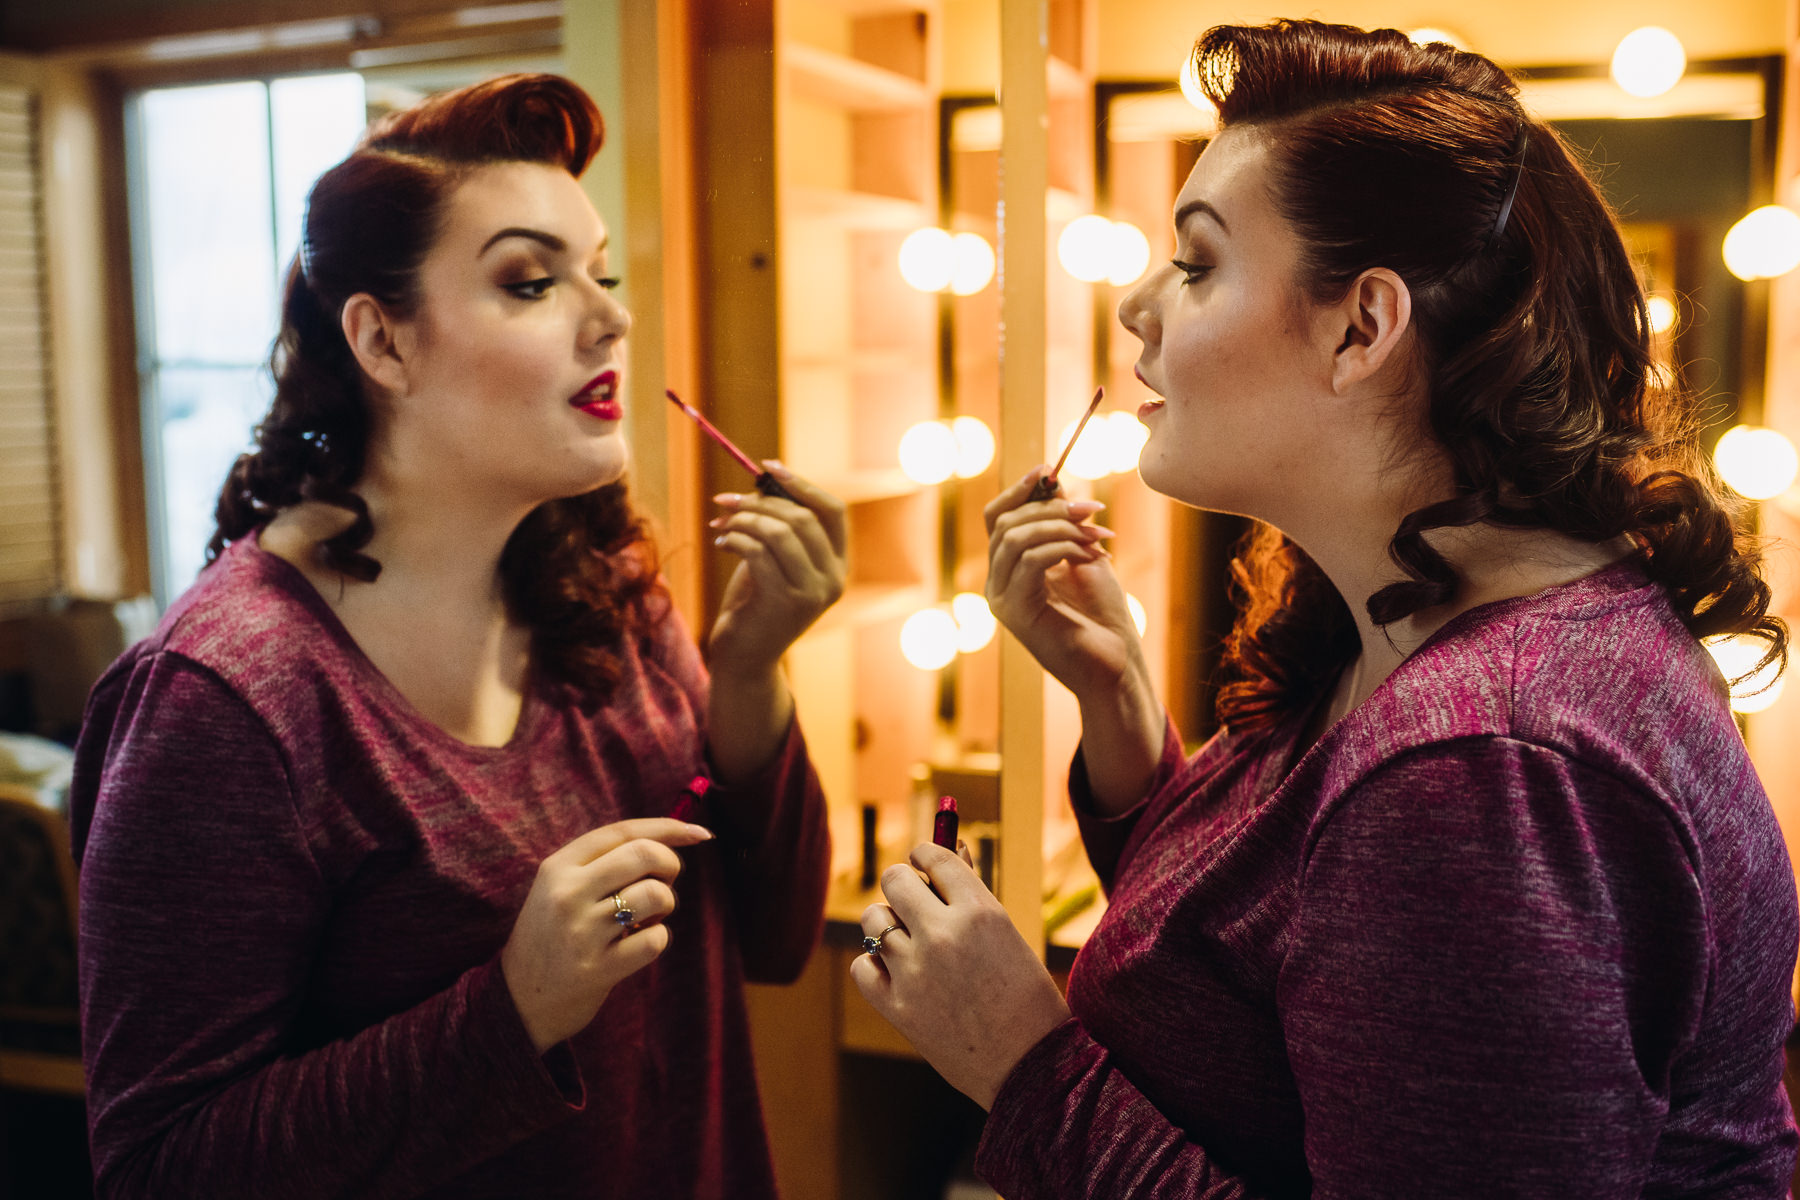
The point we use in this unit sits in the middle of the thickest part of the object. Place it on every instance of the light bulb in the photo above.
(1138, 616)
(975, 623)
(1085, 248)
(1648, 61)
(1764, 244)
(1662, 313)
(1429, 34)
(1758, 463)
(928, 452)
(973, 261)
(974, 446)
(1125, 438)
(928, 639)
(1737, 655)
(1090, 458)
(1130, 254)
(1190, 86)
(928, 259)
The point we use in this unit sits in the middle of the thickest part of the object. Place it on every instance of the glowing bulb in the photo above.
(928, 639)
(1737, 656)
(974, 446)
(1428, 35)
(1085, 248)
(1125, 438)
(928, 259)
(1758, 463)
(1190, 85)
(1764, 244)
(1648, 61)
(928, 452)
(973, 262)
(975, 623)
(1129, 255)
(1662, 313)
(1090, 458)
(1138, 616)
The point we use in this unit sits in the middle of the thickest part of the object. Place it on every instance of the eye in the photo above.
(531, 289)
(609, 282)
(1191, 272)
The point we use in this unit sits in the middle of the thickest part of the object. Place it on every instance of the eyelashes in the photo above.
(537, 289)
(1191, 272)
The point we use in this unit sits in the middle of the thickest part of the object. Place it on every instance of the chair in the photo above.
(40, 1034)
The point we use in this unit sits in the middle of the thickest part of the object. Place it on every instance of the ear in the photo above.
(1372, 321)
(376, 340)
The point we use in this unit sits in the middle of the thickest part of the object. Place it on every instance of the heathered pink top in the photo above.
(1520, 925)
(294, 891)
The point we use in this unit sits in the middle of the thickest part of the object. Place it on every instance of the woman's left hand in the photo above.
(793, 569)
(955, 978)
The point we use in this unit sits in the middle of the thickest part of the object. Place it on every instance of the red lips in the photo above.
(599, 397)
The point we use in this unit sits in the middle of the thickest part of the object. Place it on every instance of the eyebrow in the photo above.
(1199, 206)
(548, 240)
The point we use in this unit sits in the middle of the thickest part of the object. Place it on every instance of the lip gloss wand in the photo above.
(1048, 484)
(765, 482)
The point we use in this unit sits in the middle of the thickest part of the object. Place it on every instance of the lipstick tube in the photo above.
(943, 828)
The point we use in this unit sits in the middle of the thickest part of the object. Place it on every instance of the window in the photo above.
(219, 175)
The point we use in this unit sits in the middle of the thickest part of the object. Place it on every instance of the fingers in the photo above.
(952, 875)
(1038, 536)
(596, 842)
(825, 506)
(648, 902)
(784, 544)
(1013, 496)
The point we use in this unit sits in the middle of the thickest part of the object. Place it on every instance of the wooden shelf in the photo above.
(854, 210)
(851, 84)
(1066, 79)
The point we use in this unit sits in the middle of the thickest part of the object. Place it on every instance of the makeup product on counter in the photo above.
(868, 846)
(1048, 485)
(765, 482)
(943, 829)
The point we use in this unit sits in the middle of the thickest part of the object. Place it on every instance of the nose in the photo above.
(1137, 311)
(606, 320)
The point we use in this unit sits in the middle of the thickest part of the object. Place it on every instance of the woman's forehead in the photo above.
(533, 196)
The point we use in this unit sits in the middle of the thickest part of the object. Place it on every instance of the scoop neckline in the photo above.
(293, 580)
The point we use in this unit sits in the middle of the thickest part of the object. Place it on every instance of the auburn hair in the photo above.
(578, 572)
(1533, 333)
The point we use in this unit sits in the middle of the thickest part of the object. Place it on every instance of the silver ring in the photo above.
(622, 911)
(872, 945)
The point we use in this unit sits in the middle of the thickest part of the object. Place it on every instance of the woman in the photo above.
(1477, 894)
(380, 832)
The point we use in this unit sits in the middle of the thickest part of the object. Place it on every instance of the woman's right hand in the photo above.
(567, 951)
(1052, 585)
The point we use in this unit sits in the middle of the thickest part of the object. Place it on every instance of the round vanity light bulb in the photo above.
(928, 452)
(1758, 463)
(1662, 313)
(1130, 254)
(928, 259)
(975, 623)
(1138, 616)
(928, 639)
(1764, 243)
(1428, 34)
(1735, 656)
(1648, 61)
(974, 446)
(1125, 438)
(1091, 457)
(1085, 248)
(1190, 85)
(972, 263)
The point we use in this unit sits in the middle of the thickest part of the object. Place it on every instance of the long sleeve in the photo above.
(1106, 837)
(201, 910)
(1497, 956)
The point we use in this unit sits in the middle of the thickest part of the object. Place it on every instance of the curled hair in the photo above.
(1533, 340)
(577, 571)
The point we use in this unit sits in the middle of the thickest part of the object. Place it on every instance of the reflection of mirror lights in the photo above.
(1190, 86)
(1430, 34)
(1738, 655)
(974, 446)
(928, 452)
(1662, 313)
(973, 262)
(1125, 438)
(975, 623)
(1758, 463)
(1109, 445)
(928, 259)
(1138, 616)
(1764, 244)
(1648, 61)
(1128, 255)
(1092, 249)
(928, 639)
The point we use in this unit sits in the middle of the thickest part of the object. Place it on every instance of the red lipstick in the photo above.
(943, 828)
(1047, 484)
(600, 397)
(765, 482)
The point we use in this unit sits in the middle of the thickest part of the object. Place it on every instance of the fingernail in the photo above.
(1084, 508)
(719, 541)
(776, 466)
(1097, 531)
(701, 832)
(716, 523)
(728, 499)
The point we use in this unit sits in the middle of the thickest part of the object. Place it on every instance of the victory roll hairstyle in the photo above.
(579, 571)
(1533, 334)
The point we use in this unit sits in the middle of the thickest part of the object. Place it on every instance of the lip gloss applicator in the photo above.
(1048, 484)
(943, 828)
(765, 482)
